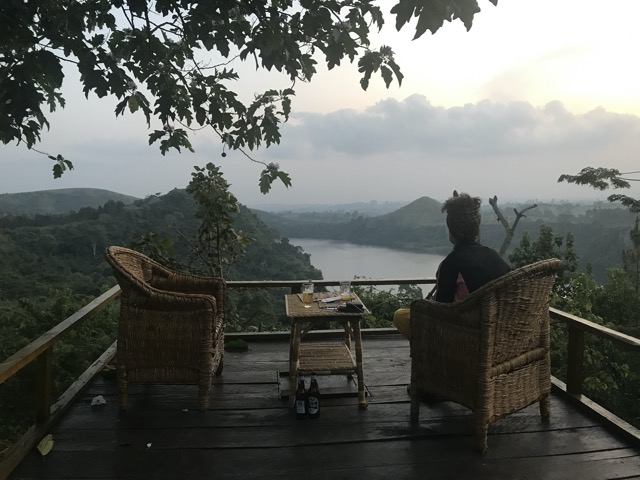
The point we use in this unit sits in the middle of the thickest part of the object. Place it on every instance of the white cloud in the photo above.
(393, 150)
(414, 125)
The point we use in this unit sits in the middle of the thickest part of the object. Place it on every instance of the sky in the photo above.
(535, 89)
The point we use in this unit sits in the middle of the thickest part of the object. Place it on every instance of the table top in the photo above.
(296, 308)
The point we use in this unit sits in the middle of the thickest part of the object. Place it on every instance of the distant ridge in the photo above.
(59, 201)
(369, 209)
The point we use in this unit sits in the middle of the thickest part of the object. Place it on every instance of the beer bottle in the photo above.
(301, 399)
(313, 399)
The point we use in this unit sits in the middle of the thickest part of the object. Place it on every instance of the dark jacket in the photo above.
(465, 269)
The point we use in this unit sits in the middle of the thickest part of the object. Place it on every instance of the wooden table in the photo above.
(322, 358)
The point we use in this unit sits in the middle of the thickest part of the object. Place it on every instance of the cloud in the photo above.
(392, 150)
(415, 126)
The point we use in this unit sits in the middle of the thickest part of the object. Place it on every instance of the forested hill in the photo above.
(423, 211)
(67, 251)
(402, 228)
(58, 201)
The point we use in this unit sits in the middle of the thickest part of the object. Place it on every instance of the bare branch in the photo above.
(494, 204)
(509, 229)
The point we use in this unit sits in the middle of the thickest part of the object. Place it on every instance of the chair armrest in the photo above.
(188, 283)
(193, 284)
(162, 301)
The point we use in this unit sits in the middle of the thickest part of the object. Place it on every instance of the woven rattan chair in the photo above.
(488, 352)
(171, 325)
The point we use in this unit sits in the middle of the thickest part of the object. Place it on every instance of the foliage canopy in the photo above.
(602, 178)
(171, 60)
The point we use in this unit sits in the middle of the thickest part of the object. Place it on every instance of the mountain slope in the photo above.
(59, 201)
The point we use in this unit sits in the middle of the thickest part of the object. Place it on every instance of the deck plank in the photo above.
(376, 460)
(249, 432)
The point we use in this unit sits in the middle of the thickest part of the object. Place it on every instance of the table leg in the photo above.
(347, 333)
(294, 353)
(355, 325)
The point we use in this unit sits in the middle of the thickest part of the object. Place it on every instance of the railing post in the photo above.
(44, 385)
(575, 360)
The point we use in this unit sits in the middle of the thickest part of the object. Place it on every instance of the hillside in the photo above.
(59, 201)
(67, 251)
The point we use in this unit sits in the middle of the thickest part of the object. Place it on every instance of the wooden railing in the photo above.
(41, 351)
(48, 411)
(577, 328)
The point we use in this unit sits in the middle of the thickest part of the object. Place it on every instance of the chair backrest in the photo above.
(515, 311)
(132, 268)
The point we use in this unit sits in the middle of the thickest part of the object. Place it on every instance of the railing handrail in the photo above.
(601, 331)
(295, 284)
(27, 354)
(30, 352)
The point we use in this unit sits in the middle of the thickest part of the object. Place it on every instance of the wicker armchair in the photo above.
(171, 327)
(488, 352)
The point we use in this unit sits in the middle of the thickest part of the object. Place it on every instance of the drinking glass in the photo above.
(345, 291)
(307, 294)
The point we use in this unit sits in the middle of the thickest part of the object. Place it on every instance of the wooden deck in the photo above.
(248, 432)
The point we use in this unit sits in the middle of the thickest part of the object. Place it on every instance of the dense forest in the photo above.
(44, 251)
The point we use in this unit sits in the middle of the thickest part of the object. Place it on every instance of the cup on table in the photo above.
(307, 294)
(345, 291)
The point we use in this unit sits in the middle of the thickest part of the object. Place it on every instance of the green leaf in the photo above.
(121, 106)
(387, 75)
(133, 103)
(465, 11)
(403, 11)
(433, 13)
(427, 21)
(285, 179)
(61, 165)
(156, 135)
(265, 182)
(396, 69)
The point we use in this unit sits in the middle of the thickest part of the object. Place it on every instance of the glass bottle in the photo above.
(313, 399)
(301, 399)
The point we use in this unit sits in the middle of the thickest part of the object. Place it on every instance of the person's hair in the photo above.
(463, 217)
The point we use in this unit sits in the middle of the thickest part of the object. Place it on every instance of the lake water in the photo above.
(344, 261)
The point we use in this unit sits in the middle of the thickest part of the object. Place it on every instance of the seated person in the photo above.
(468, 267)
